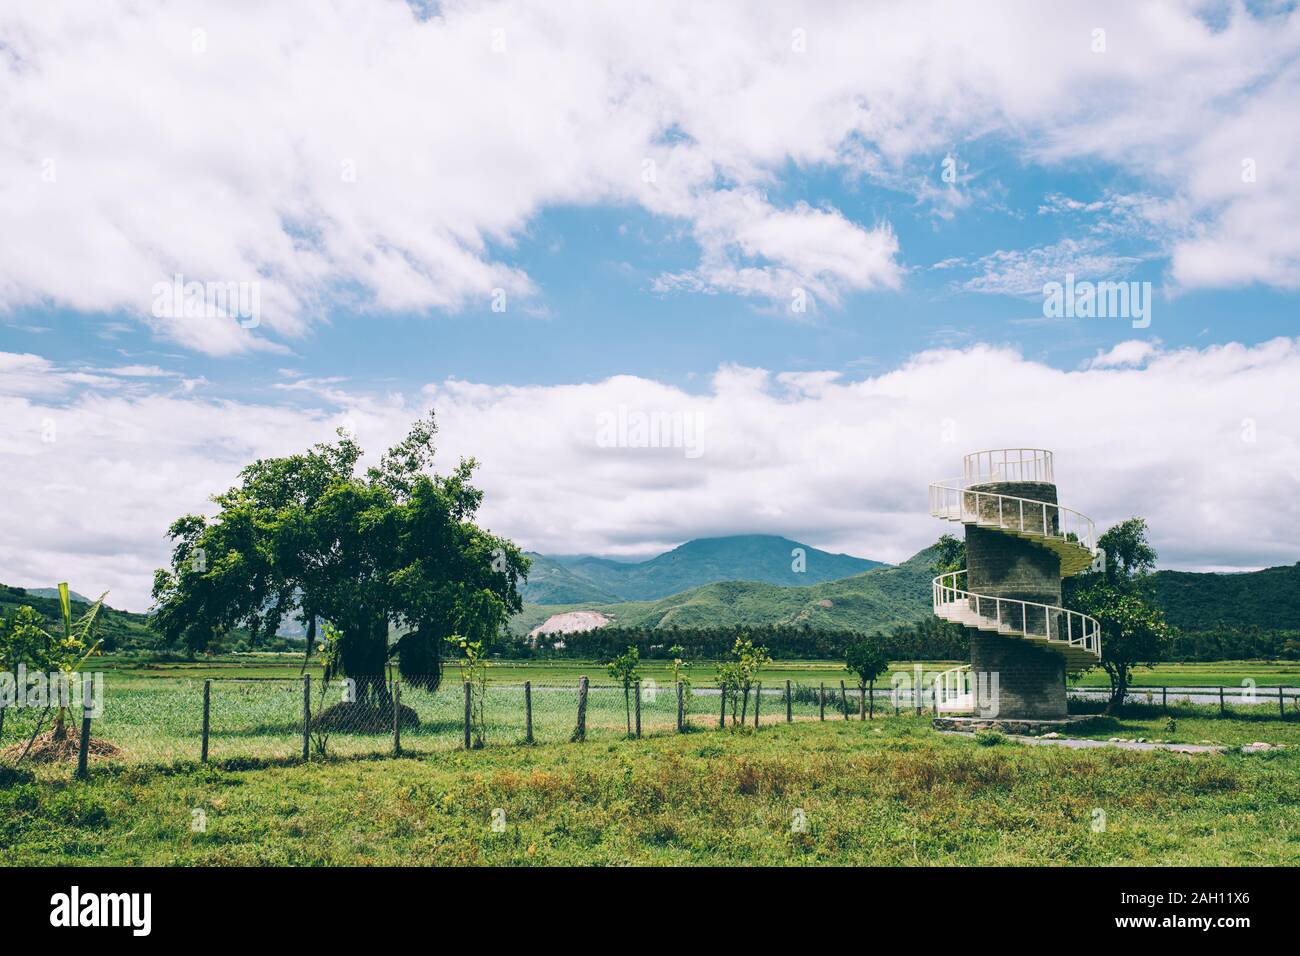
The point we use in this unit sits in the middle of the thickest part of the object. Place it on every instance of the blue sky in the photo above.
(648, 188)
(597, 313)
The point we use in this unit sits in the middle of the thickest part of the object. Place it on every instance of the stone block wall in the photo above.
(1031, 679)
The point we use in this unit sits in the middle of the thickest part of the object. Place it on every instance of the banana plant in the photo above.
(72, 650)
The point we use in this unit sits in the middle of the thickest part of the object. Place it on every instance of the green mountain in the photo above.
(120, 630)
(117, 628)
(763, 558)
(54, 593)
(884, 596)
(550, 581)
(878, 598)
(1195, 601)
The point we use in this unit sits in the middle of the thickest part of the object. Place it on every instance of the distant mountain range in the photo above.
(883, 596)
(117, 628)
(763, 558)
(54, 593)
(1195, 601)
(869, 599)
(879, 597)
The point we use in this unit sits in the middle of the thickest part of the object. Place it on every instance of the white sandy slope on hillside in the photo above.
(569, 622)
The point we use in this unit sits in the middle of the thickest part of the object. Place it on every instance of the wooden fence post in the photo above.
(580, 732)
(637, 689)
(871, 701)
(844, 700)
(83, 750)
(528, 711)
(306, 716)
(397, 718)
(821, 703)
(1164, 698)
(1221, 710)
(207, 708)
(1281, 704)
(469, 714)
(758, 694)
(862, 702)
(789, 712)
(722, 715)
(681, 708)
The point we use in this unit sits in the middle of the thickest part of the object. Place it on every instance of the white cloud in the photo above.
(1203, 443)
(349, 152)
(141, 371)
(751, 248)
(1024, 272)
(1132, 352)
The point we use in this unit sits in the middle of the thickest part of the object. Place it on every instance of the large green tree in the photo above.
(1132, 632)
(391, 558)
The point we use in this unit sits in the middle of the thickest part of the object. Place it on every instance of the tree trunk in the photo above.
(1118, 689)
(744, 707)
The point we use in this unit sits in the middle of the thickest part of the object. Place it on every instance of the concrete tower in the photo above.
(1020, 543)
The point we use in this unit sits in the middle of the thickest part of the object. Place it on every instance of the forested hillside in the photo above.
(764, 558)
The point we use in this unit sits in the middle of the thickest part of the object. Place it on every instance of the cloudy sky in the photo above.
(814, 236)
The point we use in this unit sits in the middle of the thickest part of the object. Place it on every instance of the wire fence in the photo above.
(163, 721)
(155, 721)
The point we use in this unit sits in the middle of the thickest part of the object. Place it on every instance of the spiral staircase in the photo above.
(1068, 534)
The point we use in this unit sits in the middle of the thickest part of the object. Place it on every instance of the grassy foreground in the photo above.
(890, 792)
(1194, 724)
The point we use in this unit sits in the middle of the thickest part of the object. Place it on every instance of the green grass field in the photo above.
(153, 711)
(268, 665)
(1196, 724)
(891, 792)
(501, 671)
(1209, 674)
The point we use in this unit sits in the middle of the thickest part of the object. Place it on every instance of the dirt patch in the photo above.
(570, 622)
(52, 748)
(357, 717)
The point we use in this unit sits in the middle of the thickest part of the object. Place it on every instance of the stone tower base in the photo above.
(1030, 679)
(1023, 728)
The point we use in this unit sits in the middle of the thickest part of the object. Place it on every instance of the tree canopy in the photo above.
(390, 557)
(1132, 632)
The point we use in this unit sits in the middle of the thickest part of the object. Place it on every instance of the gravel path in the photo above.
(1080, 743)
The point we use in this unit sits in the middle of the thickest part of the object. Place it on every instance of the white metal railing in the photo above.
(1008, 464)
(952, 688)
(953, 500)
(1012, 616)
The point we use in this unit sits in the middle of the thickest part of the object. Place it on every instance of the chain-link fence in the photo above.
(143, 720)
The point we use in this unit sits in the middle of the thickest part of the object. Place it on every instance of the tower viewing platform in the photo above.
(1020, 543)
